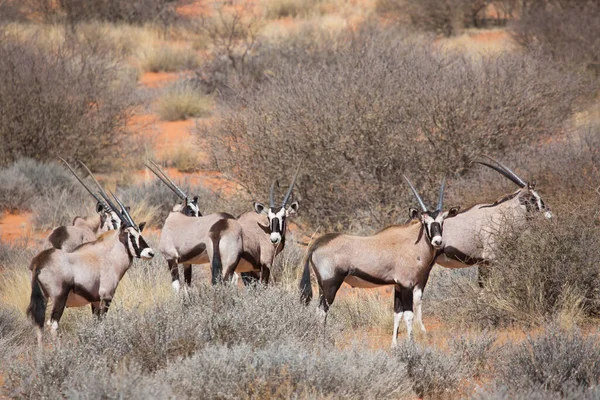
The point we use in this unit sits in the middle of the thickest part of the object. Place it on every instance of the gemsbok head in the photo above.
(470, 237)
(188, 206)
(278, 215)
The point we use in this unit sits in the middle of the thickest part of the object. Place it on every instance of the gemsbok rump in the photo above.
(88, 275)
(398, 255)
(263, 233)
(469, 237)
(85, 229)
(187, 235)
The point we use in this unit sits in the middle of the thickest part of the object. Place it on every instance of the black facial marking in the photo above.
(435, 229)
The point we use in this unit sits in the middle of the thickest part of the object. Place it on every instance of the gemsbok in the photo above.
(84, 229)
(398, 255)
(88, 275)
(469, 238)
(187, 235)
(263, 232)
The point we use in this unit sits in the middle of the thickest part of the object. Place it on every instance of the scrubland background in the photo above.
(231, 95)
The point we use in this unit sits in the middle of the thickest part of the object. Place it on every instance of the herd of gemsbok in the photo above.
(84, 263)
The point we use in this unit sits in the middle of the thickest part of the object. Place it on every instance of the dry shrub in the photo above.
(47, 189)
(557, 363)
(447, 17)
(74, 12)
(275, 9)
(544, 271)
(71, 100)
(566, 30)
(379, 105)
(182, 101)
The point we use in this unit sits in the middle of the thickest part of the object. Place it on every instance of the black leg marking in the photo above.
(58, 307)
(265, 274)
(174, 268)
(329, 289)
(187, 274)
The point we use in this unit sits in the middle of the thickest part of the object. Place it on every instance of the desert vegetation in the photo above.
(230, 96)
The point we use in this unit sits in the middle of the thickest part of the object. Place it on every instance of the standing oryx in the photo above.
(263, 233)
(85, 229)
(88, 275)
(399, 255)
(186, 234)
(469, 237)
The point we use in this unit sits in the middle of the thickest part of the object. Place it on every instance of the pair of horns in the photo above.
(166, 180)
(90, 191)
(103, 198)
(504, 170)
(287, 195)
(421, 203)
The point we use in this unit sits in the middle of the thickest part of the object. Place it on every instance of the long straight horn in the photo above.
(441, 200)
(166, 182)
(124, 211)
(272, 194)
(115, 208)
(423, 206)
(515, 177)
(181, 192)
(90, 191)
(100, 188)
(173, 186)
(289, 192)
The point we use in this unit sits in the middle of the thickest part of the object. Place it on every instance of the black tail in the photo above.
(305, 287)
(216, 264)
(37, 305)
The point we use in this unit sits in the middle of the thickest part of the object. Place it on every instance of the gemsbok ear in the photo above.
(453, 212)
(259, 208)
(99, 208)
(292, 209)
(141, 226)
(195, 200)
(413, 213)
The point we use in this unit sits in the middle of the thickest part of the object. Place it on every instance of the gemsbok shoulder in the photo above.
(398, 255)
(469, 238)
(263, 232)
(187, 235)
(84, 229)
(88, 275)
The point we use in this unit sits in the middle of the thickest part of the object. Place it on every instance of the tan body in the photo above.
(88, 275)
(470, 236)
(399, 255)
(83, 230)
(188, 240)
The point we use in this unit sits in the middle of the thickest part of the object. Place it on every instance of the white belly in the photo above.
(75, 300)
(360, 283)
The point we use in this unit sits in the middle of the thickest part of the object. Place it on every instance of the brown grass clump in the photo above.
(168, 59)
(181, 102)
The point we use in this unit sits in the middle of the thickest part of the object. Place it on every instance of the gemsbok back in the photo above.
(469, 237)
(263, 233)
(398, 255)
(187, 235)
(85, 229)
(88, 275)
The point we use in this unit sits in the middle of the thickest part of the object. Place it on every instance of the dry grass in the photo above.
(165, 58)
(183, 103)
